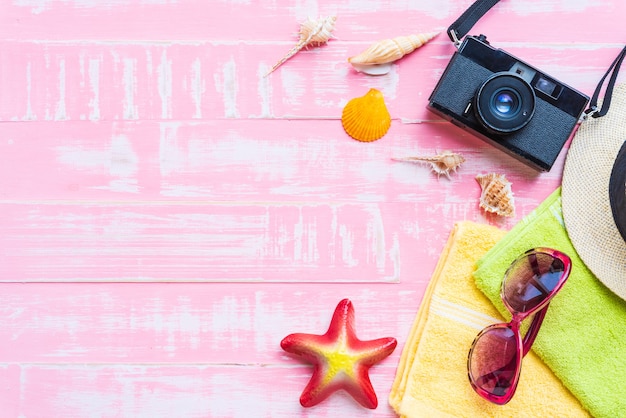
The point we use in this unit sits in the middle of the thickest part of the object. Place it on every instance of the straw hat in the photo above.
(594, 194)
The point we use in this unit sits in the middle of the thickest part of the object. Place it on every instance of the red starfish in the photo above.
(341, 360)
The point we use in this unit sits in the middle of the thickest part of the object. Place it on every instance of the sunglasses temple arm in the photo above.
(533, 330)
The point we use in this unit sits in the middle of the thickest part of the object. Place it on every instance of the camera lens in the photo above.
(504, 103)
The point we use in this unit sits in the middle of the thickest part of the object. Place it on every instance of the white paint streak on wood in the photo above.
(347, 246)
(170, 156)
(149, 63)
(119, 160)
(37, 6)
(334, 235)
(265, 159)
(439, 9)
(181, 328)
(29, 89)
(305, 239)
(61, 111)
(264, 92)
(230, 316)
(227, 84)
(81, 157)
(246, 399)
(165, 85)
(293, 87)
(198, 87)
(544, 7)
(376, 236)
(129, 81)
(94, 85)
(135, 391)
(82, 83)
(390, 84)
(307, 9)
(264, 320)
(394, 256)
(123, 162)
(41, 6)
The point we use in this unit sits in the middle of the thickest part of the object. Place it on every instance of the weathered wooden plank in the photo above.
(47, 81)
(188, 391)
(216, 324)
(242, 161)
(203, 242)
(519, 20)
(361, 236)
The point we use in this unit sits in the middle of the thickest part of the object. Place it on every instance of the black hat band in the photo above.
(617, 191)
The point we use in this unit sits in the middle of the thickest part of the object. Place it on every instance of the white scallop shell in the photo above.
(441, 164)
(375, 60)
(312, 33)
(496, 196)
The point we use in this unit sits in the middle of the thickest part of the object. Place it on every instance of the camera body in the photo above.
(508, 103)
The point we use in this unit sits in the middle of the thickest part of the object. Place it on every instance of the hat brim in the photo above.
(585, 194)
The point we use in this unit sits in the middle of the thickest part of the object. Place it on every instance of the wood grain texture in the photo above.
(169, 214)
(181, 81)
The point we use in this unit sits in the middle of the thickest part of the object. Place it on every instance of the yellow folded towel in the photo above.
(431, 380)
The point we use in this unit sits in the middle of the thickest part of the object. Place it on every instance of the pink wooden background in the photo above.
(168, 214)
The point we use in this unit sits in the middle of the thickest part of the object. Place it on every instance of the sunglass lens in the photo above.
(494, 362)
(531, 280)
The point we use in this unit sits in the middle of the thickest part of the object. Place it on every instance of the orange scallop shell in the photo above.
(366, 118)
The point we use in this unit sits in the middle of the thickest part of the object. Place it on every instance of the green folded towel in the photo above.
(583, 337)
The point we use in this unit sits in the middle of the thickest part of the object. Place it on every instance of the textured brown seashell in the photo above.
(496, 196)
(312, 33)
(372, 60)
(443, 163)
(366, 118)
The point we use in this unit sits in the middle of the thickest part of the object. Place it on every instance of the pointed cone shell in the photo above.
(441, 164)
(496, 196)
(312, 33)
(366, 118)
(390, 50)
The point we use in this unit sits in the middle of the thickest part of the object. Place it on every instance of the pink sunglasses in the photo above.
(495, 359)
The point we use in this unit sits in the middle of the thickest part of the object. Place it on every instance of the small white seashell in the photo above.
(373, 69)
(376, 59)
(312, 33)
(496, 196)
(443, 163)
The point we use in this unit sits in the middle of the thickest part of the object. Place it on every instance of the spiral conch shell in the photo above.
(366, 118)
(313, 32)
(377, 59)
(496, 196)
(441, 164)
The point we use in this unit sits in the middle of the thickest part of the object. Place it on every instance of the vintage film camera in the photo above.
(510, 104)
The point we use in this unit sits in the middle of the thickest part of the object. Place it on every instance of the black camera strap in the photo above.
(613, 71)
(468, 19)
